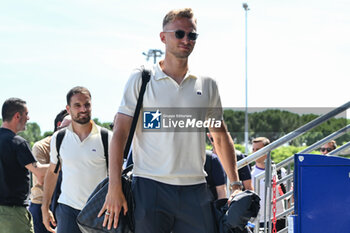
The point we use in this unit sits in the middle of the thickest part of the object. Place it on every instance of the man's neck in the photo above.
(260, 165)
(175, 68)
(9, 126)
(82, 130)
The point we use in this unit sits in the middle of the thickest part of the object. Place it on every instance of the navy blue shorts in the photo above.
(165, 208)
(67, 219)
(35, 210)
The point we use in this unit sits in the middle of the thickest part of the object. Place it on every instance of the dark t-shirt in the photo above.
(15, 154)
(244, 173)
(216, 174)
(217, 171)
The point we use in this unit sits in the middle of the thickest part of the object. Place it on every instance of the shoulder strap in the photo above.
(59, 139)
(146, 75)
(104, 137)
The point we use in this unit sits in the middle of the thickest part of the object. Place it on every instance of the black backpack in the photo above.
(57, 192)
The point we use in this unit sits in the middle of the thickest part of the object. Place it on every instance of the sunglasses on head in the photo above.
(326, 149)
(179, 34)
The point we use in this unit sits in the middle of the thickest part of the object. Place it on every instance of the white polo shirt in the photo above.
(83, 165)
(175, 158)
(279, 205)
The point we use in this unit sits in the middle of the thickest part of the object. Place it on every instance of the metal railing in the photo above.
(340, 149)
(292, 135)
(267, 174)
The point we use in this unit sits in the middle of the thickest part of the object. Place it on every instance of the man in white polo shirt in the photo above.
(83, 164)
(257, 169)
(169, 183)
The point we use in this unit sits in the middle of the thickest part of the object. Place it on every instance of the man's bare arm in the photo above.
(115, 199)
(49, 187)
(221, 191)
(226, 151)
(247, 184)
(38, 169)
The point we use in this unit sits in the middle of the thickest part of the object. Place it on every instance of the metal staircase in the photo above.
(288, 163)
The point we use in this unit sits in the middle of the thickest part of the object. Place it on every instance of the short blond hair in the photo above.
(178, 13)
(264, 140)
(332, 144)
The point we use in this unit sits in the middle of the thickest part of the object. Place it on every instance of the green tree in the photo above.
(346, 137)
(235, 124)
(271, 123)
(240, 147)
(281, 153)
(274, 124)
(105, 124)
(32, 133)
(326, 128)
(47, 133)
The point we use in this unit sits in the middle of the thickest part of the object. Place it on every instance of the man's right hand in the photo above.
(111, 209)
(115, 199)
(48, 219)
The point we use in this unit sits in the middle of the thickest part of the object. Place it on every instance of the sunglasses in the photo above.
(326, 149)
(179, 34)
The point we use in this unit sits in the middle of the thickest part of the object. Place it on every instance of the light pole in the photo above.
(153, 53)
(245, 7)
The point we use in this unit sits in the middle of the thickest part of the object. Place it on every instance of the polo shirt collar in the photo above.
(159, 74)
(94, 129)
(8, 130)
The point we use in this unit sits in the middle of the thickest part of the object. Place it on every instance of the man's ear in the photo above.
(162, 37)
(17, 115)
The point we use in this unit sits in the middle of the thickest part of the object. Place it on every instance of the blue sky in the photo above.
(298, 51)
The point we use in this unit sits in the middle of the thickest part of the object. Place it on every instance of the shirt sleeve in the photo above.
(40, 154)
(53, 151)
(131, 92)
(24, 155)
(244, 173)
(215, 109)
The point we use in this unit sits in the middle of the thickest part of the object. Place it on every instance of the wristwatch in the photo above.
(236, 183)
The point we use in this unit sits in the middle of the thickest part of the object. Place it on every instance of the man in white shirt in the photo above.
(83, 164)
(258, 168)
(328, 147)
(169, 178)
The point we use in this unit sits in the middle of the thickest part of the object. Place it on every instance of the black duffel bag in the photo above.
(233, 218)
(89, 222)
